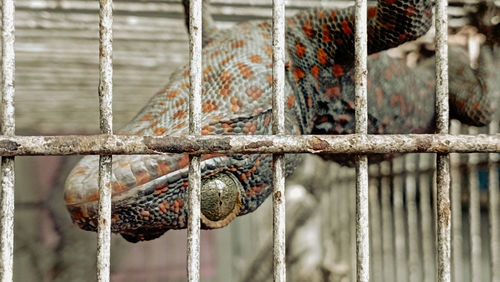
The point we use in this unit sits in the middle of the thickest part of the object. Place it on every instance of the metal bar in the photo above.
(194, 192)
(278, 126)
(425, 163)
(375, 233)
(399, 222)
(494, 209)
(456, 209)
(387, 223)
(7, 127)
(360, 74)
(106, 127)
(443, 160)
(350, 144)
(474, 216)
(414, 266)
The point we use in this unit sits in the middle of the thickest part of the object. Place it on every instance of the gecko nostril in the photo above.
(220, 199)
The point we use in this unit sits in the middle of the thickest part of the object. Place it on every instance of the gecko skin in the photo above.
(150, 192)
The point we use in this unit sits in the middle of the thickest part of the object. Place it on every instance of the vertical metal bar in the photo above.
(194, 193)
(360, 73)
(7, 127)
(456, 210)
(443, 160)
(387, 223)
(411, 205)
(474, 215)
(106, 121)
(494, 206)
(375, 233)
(425, 163)
(399, 222)
(279, 260)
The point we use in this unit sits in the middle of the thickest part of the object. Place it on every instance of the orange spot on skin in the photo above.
(332, 92)
(172, 94)
(207, 70)
(254, 92)
(322, 56)
(390, 2)
(264, 25)
(258, 110)
(307, 28)
(160, 189)
(216, 118)
(142, 177)
(180, 102)
(226, 60)
(380, 96)
(93, 197)
(268, 50)
(255, 190)
(402, 36)
(186, 73)
(269, 78)
(300, 49)
(214, 54)
(398, 99)
(372, 12)
(211, 156)
(346, 28)
(177, 205)
(290, 101)
(250, 127)
(147, 117)
(298, 74)
(255, 59)
(180, 114)
(238, 44)
(244, 176)
(183, 161)
(333, 15)
(162, 168)
(163, 207)
(338, 70)
(267, 120)
(321, 14)
(118, 187)
(235, 104)
(145, 214)
(227, 126)
(326, 34)
(315, 71)
(206, 130)
(291, 23)
(388, 74)
(309, 102)
(245, 70)
(225, 90)
(410, 11)
(179, 125)
(159, 131)
(209, 107)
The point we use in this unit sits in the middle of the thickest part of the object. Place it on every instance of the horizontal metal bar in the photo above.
(353, 143)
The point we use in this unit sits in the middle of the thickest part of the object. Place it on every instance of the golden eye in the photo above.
(220, 199)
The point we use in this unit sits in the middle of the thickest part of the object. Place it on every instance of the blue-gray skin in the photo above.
(150, 192)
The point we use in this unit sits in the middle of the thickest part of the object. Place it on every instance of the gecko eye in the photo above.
(220, 199)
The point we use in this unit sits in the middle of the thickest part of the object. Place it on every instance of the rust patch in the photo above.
(259, 144)
(318, 144)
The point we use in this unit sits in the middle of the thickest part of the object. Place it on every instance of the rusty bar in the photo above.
(443, 160)
(387, 223)
(350, 144)
(279, 248)
(194, 191)
(414, 267)
(399, 221)
(362, 212)
(425, 164)
(474, 215)
(494, 209)
(456, 209)
(106, 127)
(7, 127)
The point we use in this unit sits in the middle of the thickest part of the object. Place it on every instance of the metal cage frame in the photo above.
(360, 144)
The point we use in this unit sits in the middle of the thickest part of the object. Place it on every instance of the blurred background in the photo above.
(56, 94)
